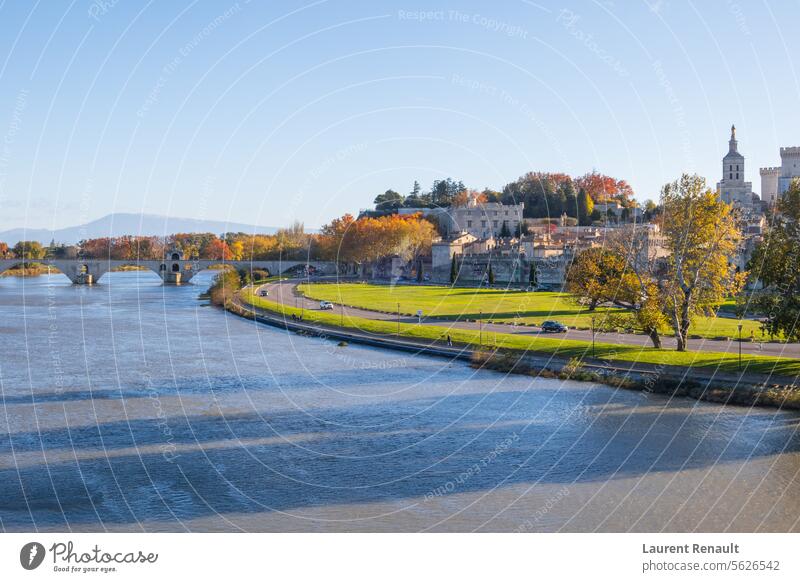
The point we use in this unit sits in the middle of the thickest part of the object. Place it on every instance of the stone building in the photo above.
(479, 220)
(775, 181)
(732, 188)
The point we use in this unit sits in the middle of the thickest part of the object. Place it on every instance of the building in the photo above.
(775, 181)
(732, 188)
(481, 220)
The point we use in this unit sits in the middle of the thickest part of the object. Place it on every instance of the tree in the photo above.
(29, 250)
(533, 277)
(225, 286)
(776, 265)
(701, 236)
(444, 191)
(490, 276)
(585, 208)
(650, 210)
(453, 270)
(570, 199)
(602, 188)
(595, 275)
(618, 275)
(419, 272)
(389, 200)
(492, 195)
(505, 232)
(4, 250)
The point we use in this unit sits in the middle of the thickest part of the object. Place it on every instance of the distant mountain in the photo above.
(128, 223)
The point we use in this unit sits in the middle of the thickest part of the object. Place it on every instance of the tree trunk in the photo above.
(592, 304)
(682, 333)
(655, 338)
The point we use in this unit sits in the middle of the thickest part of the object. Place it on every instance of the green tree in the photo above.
(444, 191)
(585, 208)
(29, 250)
(453, 270)
(491, 275)
(533, 277)
(225, 285)
(389, 200)
(776, 265)
(505, 232)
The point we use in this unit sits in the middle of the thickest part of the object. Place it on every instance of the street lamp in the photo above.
(398, 320)
(480, 328)
(740, 345)
(593, 336)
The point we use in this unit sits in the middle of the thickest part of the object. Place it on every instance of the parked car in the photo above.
(550, 326)
(326, 305)
(263, 292)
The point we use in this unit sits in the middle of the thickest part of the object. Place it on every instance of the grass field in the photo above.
(560, 347)
(497, 305)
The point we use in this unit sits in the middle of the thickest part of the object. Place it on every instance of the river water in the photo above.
(135, 406)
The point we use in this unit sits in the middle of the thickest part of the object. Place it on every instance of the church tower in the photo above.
(732, 188)
(733, 162)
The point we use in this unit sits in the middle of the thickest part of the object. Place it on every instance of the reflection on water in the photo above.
(134, 406)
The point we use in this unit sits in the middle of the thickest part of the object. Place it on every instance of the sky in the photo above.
(270, 112)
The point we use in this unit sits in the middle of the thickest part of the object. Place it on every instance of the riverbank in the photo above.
(763, 381)
(509, 306)
(29, 270)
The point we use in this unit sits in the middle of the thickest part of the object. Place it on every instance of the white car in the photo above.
(263, 292)
(327, 305)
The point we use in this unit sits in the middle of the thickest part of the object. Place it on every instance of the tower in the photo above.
(732, 188)
(733, 162)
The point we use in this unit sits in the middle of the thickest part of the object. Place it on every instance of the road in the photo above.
(284, 292)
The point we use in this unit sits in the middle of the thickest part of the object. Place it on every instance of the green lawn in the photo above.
(500, 305)
(561, 347)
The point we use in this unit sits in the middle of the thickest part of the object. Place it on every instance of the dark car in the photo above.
(553, 327)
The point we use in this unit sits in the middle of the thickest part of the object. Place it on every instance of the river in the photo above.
(132, 406)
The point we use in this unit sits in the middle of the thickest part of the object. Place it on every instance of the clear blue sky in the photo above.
(265, 112)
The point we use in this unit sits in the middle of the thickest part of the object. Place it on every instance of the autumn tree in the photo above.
(29, 250)
(701, 236)
(776, 265)
(602, 188)
(594, 276)
(618, 276)
(4, 250)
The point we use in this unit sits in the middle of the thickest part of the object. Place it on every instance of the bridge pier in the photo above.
(82, 272)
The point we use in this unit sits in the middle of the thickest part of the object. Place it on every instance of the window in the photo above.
(737, 175)
(483, 223)
(469, 224)
(730, 176)
(494, 223)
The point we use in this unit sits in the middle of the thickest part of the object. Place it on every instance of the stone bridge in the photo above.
(172, 269)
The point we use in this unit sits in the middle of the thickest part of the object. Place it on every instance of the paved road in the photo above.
(284, 292)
